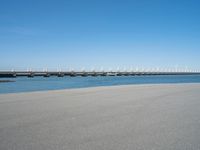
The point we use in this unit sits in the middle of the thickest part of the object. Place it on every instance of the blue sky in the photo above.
(99, 33)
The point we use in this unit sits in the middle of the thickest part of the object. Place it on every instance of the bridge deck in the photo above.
(6, 74)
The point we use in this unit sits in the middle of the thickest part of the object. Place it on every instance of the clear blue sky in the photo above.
(99, 33)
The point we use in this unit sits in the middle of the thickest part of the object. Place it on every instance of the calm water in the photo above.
(24, 84)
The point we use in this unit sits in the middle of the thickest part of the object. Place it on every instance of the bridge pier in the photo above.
(31, 75)
(84, 74)
(46, 75)
(60, 74)
(119, 74)
(72, 74)
(102, 73)
(94, 74)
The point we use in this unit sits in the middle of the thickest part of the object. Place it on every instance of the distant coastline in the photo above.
(3, 81)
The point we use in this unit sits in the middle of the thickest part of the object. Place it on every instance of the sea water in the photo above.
(25, 84)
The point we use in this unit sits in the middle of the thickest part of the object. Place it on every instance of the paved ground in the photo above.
(142, 117)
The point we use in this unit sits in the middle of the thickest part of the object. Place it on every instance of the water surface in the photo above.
(24, 84)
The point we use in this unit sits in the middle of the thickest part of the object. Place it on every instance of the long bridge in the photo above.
(13, 74)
